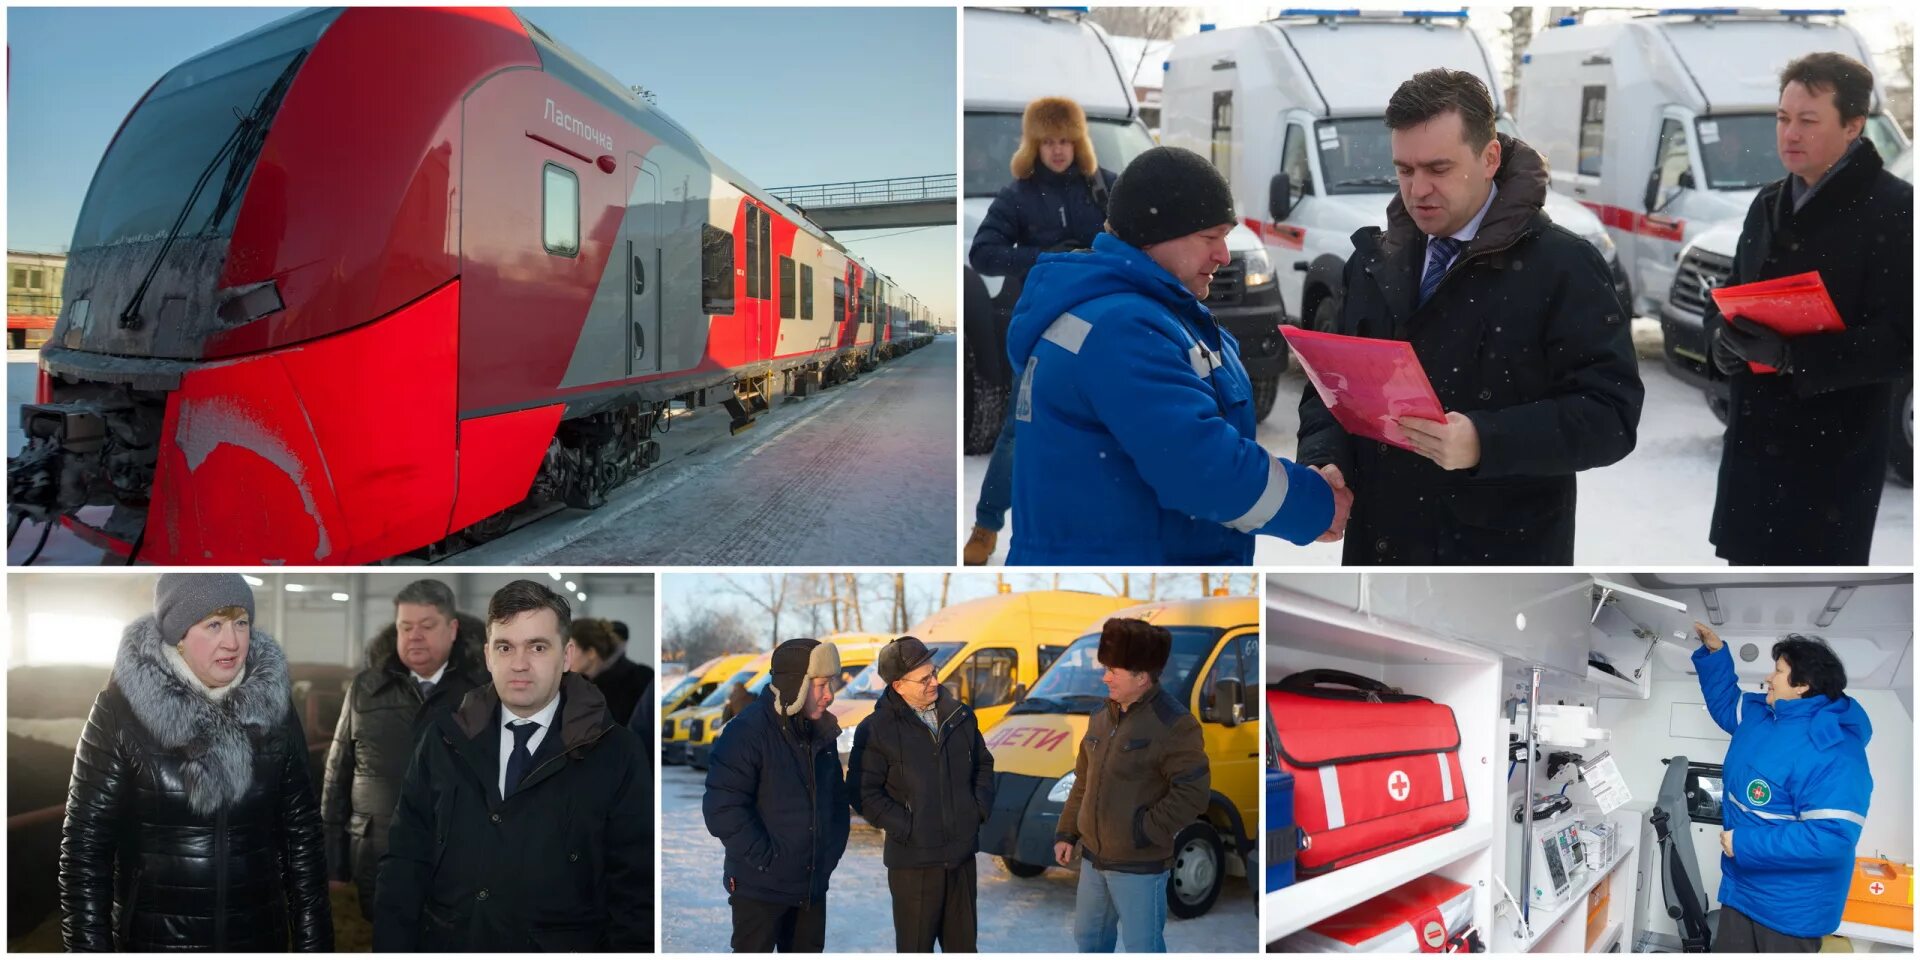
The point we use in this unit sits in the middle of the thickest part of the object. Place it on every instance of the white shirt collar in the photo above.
(437, 674)
(544, 718)
(1466, 234)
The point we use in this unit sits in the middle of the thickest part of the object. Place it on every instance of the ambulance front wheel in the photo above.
(1021, 868)
(1199, 866)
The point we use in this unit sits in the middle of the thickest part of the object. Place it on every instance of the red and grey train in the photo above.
(372, 281)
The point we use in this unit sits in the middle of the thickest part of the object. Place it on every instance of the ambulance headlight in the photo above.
(1061, 788)
(845, 742)
(1602, 241)
(1259, 271)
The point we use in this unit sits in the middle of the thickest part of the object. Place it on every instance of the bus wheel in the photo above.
(1021, 868)
(1198, 866)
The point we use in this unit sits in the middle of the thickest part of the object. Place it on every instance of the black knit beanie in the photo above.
(1166, 193)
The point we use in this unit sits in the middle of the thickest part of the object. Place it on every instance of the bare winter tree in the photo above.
(1147, 23)
(768, 591)
(1518, 34)
(698, 633)
(1900, 99)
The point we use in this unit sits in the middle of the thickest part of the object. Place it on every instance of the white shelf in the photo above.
(1544, 919)
(1608, 937)
(1873, 934)
(1308, 902)
(1610, 685)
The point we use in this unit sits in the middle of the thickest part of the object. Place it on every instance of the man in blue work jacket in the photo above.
(1133, 413)
(1796, 792)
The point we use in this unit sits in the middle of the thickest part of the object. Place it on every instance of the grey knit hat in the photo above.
(180, 600)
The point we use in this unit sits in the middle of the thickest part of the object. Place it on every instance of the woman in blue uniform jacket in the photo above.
(1796, 792)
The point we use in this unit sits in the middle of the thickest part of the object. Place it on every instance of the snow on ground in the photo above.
(1033, 915)
(1652, 508)
(860, 473)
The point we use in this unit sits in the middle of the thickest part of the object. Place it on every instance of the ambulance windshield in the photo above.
(1073, 684)
(992, 139)
(869, 686)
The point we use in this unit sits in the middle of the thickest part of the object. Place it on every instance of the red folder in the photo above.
(1366, 383)
(1789, 306)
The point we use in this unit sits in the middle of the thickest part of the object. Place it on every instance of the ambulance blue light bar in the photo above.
(1748, 12)
(1460, 14)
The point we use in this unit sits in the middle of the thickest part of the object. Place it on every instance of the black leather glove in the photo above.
(1756, 344)
(1724, 359)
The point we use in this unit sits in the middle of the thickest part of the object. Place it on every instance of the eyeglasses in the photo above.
(926, 681)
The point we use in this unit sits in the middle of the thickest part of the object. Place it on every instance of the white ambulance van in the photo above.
(1663, 126)
(1015, 56)
(1292, 111)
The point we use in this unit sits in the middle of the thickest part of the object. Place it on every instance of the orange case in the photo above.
(1892, 906)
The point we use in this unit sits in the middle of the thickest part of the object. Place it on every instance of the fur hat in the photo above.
(795, 663)
(1127, 644)
(1057, 118)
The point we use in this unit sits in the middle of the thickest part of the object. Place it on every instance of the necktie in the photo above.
(426, 688)
(1440, 251)
(520, 761)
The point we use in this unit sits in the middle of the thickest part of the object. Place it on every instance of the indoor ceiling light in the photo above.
(296, 588)
(571, 586)
(1834, 603)
(253, 581)
(340, 597)
(582, 596)
(554, 576)
(1711, 598)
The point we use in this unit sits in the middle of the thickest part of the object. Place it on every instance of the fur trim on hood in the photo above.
(217, 736)
(1058, 118)
(468, 653)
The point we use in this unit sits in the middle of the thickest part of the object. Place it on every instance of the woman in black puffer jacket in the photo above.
(191, 821)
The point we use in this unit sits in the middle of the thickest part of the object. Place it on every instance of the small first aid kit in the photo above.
(1880, 894)
(1374, 769)
(1423, 916)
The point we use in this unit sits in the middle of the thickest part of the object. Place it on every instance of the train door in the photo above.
(644, 345)
(757, 310)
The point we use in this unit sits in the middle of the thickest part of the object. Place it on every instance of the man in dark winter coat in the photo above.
(418, 669)
(1057, 202)
(924, 776)
(1519, 328)
(1806, 447)
(524, 823)
(1141, 776)
(596, 652)
(777, 801)
(1140, 413)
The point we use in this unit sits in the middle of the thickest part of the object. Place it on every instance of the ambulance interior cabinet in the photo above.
(1306, 630)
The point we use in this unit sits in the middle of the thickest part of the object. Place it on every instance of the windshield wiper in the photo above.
(1367, 182)
(243, 144)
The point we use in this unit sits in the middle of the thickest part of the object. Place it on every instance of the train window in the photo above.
(716, 270)
(806, 292)
(561, 217)
(754, 291)
(787, 298)
(839, 299)
(765, 261)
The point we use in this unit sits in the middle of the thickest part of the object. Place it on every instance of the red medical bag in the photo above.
(1373, 769)
(1423, 916)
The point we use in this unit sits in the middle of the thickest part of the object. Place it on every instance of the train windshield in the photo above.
(993, 137)
(1072, 684)
(200, 127)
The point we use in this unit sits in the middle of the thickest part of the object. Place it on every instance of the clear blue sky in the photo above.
(784, 95)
